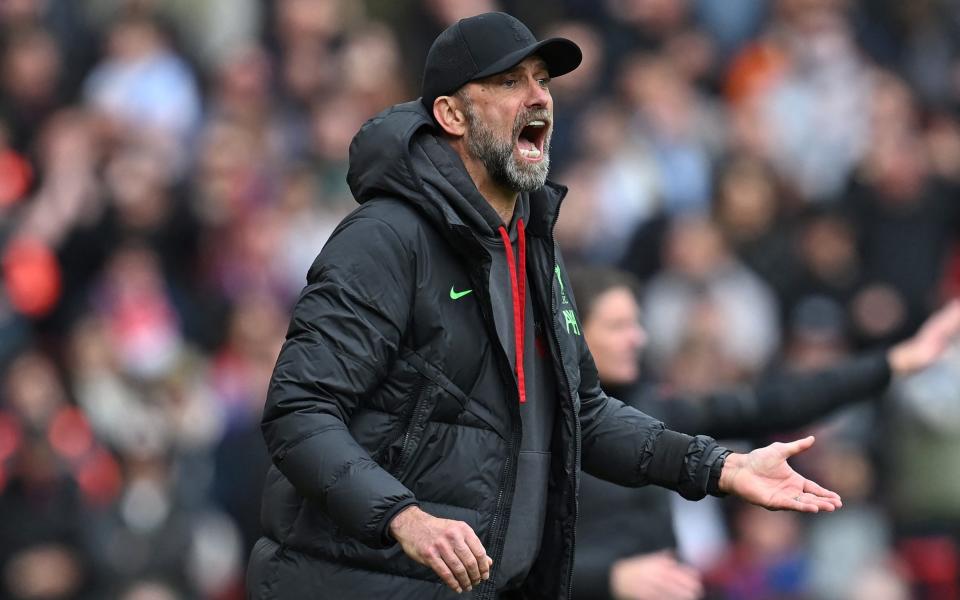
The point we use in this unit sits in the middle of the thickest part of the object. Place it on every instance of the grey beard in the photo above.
(497, 156)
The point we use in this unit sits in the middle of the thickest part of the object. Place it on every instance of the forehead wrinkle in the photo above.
(538, 63)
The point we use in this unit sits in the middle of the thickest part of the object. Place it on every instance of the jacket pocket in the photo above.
(408, 442)
(477, 409)
(527, 514)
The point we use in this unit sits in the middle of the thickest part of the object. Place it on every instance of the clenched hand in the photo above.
(654, 576)
(450, 548)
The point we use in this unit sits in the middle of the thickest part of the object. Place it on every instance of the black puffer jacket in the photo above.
(389, 392)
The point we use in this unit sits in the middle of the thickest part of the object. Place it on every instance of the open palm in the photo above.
(929, 343)
(763, 477)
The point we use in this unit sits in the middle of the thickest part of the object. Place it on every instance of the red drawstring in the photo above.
(518, 288)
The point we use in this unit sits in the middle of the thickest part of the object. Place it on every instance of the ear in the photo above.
(450, 116)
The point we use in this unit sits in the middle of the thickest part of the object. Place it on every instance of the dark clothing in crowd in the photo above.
(395, 388)
(617, 523)
(904, 242)
(40, 517)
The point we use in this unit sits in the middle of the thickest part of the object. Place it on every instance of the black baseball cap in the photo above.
(484, 45)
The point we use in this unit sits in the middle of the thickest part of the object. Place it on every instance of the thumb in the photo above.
(663, 556)
(798, 446)
(946, 321)
(952, 318)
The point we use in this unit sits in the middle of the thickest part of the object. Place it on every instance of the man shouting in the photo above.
(434, 401)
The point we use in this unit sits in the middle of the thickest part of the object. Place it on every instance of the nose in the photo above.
(538, 96)
(639, 337)
(643, 339)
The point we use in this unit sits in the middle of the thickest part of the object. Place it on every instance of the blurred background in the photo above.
(782, 175)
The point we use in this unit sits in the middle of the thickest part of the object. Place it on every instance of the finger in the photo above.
(677, 588)
(483, 561)
(443, 571)
(685, 582)
(469, 561)
(946, 321)
(951, 313)
(812, 487)
(953, 309)
(796, 503)
(811, 503)
(801, 505)
(693, 581)
(798, 446)
(660, 588)
(456, 566)
(667, 590)
(825, 505)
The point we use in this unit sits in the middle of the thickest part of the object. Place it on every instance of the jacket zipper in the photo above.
(501, 509)
(576, 421)
(508, 474)
(498, 550)
(405, 448)
(489, 591)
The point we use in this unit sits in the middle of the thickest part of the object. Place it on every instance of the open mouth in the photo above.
(531, 138)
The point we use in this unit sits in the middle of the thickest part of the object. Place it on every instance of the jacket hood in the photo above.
(380, 153)
(399, 153)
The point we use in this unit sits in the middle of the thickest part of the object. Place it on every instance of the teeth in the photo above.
(532, 153)
(536, 124)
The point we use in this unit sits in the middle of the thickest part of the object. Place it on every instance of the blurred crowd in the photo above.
(782, 175)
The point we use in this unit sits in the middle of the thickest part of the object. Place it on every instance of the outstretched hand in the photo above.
(929, 343)
(764, 478)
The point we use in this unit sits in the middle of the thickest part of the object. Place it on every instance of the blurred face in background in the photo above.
(134, 39)
(747, 201)
(309, 21)
(15, 12)
(33, 389)
(31, 67)
(695, 248)
(615, 336)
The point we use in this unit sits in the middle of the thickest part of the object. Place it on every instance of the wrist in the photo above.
(716, 469)
(399, 521)
(731, 467)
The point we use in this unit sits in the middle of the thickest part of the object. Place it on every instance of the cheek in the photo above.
(626, 358)
(621, 369)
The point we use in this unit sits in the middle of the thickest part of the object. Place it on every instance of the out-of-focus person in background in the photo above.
(626, 540)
